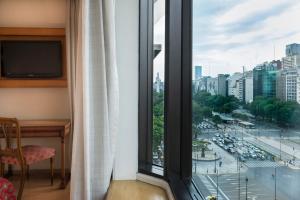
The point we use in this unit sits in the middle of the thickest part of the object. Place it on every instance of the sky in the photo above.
(230, 34)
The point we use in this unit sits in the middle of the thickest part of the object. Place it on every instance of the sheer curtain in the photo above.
(94, 95)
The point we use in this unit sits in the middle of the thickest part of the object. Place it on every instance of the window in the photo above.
(152, 88)
(245, 108)
(158, 119)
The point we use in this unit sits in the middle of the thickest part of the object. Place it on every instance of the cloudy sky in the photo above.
(230, 34)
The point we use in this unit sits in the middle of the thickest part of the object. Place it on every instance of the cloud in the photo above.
(229, 34)
(243, 33)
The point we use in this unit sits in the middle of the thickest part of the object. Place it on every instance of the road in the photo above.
(261, 174)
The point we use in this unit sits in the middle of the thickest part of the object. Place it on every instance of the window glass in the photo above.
(158, 83)
(246, 95)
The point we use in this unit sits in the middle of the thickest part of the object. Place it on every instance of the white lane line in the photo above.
(224, 195)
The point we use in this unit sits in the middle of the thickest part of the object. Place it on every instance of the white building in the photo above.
(291, 61)
(200, 84)
(233, 89)
(288, 85)
(248, 84)
(158, 85)
(212, 85)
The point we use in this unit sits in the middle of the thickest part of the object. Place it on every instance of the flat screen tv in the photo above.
(31, 59)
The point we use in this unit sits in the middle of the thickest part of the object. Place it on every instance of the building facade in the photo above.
(198, 72)
(222, 84)
(212, 85)
(233, 84)
(248, 87)
(158, 85)
(264, 80)
(287, 87)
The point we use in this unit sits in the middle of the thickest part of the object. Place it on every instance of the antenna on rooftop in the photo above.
(274, 53)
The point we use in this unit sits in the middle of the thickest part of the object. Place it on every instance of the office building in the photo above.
(212, 85)
(233, 84)
(222, 84)
(292, 49)
(287, 87)
(264, 80)
(198, 72)
(158, 85)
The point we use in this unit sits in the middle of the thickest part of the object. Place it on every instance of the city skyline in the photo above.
(225, 39)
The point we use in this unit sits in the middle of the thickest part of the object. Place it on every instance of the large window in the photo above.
(245, 99)
(152, 88)
(158, 119)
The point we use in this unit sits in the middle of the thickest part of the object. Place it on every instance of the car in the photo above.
(242, 159)
(254, 155)
(231, 150)
(214, 139)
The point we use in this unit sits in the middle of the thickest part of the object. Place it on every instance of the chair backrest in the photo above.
(11, 147)
(10, 131)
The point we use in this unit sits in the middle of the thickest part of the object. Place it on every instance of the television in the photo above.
(31, 59)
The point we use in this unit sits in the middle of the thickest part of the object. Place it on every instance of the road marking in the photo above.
(224, 195)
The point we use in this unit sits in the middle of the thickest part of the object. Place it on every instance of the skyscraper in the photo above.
(292, 49)
(292, 58)
(264, 80)
(223, 84)
(198, 72)
(233, 82)
(158, 85)
(287, 87)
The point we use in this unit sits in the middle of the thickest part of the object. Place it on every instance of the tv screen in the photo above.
(31, 59)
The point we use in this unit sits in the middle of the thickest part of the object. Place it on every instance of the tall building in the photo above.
(240, 84)
(291, 61)
(158, 85)
(222, 84)
(292, 58)
(248, 87)
(212, 85)
(198, 72)
(233, 84)
(292, 49)
(287, 87)
(264, 80)
(200, 84)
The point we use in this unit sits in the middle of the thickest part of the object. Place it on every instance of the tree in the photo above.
(197, 113)
(200, 145)
(158, 120)
(217, 119)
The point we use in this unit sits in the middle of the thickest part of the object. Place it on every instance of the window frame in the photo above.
(178, 83)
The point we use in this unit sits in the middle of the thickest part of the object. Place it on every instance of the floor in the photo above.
(38, 187)
(135, 190)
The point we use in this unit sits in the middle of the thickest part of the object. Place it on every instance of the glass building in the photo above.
(264, 80)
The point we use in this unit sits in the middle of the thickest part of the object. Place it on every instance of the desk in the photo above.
(45, 129)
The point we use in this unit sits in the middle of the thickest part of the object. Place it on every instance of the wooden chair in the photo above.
(16, 154)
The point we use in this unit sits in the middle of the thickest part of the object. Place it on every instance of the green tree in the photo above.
(217, 119)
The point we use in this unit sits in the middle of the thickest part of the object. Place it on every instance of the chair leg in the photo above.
(51, 169)
(27, 171)
(22, 182)
(2, 169)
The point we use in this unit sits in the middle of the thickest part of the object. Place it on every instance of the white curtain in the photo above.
(94, 96)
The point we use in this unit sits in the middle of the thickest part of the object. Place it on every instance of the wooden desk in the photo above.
(45, 129)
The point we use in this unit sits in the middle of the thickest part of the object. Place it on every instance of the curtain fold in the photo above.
(94, 96)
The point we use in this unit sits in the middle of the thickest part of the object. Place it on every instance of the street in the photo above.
(230, 179)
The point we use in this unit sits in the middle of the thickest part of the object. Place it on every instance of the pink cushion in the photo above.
(32, 154)
(7, 190)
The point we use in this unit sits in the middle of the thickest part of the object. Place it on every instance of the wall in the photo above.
(127, 24)
(34, 103)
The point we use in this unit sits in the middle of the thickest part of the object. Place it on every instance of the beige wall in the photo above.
(34, 103)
